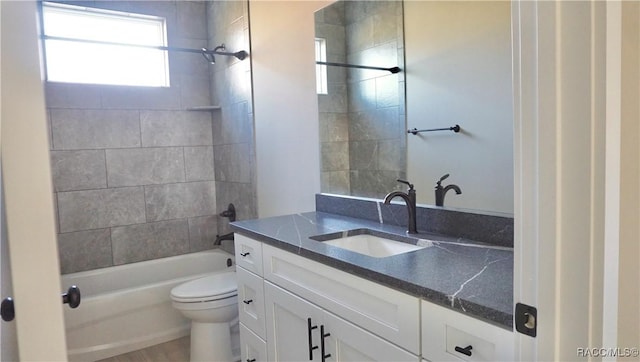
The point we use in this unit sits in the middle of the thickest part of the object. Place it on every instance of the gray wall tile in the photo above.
(94, 209)
(84, 250)
(194, 90)
(94, 129)
(334, 156)
(242, 196)
(149, 241)
(78, 170)
(192, 21)
(334, 127)
(363, 155)
(233, 124)
(232, 162)
(145, 166)
(174, 201)
(67, 95)
(125, 97)
(199, 163)
(176, 128)
(202, 232)
(182, 63)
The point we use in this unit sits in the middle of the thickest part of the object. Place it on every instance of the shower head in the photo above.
(241, 54)
(209, 54)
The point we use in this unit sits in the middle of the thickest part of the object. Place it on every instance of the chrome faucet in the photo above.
(442, 191)
(410, 199)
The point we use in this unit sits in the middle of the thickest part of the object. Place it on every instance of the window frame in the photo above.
(154, 46)
(321, 69)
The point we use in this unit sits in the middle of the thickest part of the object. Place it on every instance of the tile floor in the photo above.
(172, 351)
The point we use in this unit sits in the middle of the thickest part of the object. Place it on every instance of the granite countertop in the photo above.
(470, 277)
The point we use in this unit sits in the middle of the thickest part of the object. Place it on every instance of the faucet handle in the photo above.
(442, 179)
(406, 183)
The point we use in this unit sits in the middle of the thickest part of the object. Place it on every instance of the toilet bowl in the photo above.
(211, 303)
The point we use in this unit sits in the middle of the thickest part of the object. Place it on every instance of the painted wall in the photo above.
(629, 270)
(285, 105)
(458, 71)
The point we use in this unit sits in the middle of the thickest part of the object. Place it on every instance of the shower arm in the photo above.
(208, 54)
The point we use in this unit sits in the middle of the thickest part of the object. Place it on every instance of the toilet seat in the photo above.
(211, 288)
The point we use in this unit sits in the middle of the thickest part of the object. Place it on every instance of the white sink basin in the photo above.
(372, 245)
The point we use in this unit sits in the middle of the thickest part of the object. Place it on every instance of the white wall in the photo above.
(629, 247)
(458, 71)
(285, 105)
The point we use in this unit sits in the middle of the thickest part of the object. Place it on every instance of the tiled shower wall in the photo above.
(233, 140)
(333, 107)
(133, 168)
(370, 141)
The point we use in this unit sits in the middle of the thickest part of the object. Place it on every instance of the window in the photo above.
(87, 45)
(321, 70)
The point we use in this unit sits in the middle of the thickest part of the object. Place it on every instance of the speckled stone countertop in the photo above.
(470, 277)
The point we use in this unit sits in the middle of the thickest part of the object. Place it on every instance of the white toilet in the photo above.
(211, 303)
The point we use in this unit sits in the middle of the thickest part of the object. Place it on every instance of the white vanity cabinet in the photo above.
(301, 331)
(386, 312)
(251, 304)
(451, 336)
(296, 309)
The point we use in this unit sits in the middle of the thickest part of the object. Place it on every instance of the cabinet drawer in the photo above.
(248, 253)
(451, 336)
(252, 347)
(251, 301)
(385, 312)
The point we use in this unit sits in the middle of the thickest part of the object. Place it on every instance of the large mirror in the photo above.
(455, 58)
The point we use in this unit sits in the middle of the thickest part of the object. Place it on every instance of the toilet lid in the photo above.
(216, 286)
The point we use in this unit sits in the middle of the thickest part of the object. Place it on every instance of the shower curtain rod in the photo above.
(345, 65)
(208, 54)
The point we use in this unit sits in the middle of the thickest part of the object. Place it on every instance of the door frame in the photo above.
(569, 200)
(28, 197)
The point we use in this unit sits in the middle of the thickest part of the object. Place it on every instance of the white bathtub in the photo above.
(128, 307)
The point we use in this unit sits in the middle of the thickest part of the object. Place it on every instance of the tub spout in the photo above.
(219, 238)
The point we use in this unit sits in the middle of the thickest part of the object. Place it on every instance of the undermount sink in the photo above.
(368, 242)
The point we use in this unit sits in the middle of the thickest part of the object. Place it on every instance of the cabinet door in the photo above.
(293, 326)
(449, 335)
(347, 342)
(251, 301)
(253, 348)
(248, 253)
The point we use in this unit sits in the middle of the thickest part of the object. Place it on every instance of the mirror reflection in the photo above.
(457, 72)
(361, 111)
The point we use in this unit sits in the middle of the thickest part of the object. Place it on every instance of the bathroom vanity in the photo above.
(305, 299)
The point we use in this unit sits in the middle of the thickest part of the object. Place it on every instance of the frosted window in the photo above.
(321, 70)
(87, 45)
